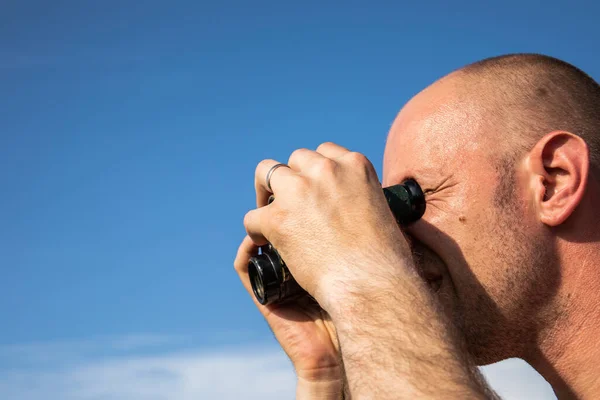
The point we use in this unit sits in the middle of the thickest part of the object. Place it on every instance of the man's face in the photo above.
(478, 243)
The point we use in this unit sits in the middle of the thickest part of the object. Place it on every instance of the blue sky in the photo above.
(129, 133)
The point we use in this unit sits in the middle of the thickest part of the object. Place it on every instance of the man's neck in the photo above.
(568, 353)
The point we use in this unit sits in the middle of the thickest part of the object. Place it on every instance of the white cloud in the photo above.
(131, 368)
(515, 379)
(98, 370)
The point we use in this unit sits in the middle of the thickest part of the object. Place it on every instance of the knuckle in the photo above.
(325, 166)
(324, 146)
(297, 155)
(247, 219)
(361, 163)
(262, 166)
(357, 159)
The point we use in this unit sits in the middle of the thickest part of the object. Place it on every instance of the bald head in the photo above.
(500, 149)
(522, 97)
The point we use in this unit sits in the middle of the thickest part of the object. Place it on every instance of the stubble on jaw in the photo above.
(503, 317)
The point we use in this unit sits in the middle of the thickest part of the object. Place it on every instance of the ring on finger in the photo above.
(270, 173)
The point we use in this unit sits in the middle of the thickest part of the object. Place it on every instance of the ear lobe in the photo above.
(560, 164)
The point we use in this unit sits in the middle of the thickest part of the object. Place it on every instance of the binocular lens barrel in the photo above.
(269, 276)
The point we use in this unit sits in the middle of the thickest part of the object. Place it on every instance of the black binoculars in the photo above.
(271, 279)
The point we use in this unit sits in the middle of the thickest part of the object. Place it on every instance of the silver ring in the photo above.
(270, 173)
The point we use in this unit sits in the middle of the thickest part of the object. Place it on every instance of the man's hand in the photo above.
(305, 333)
(330, 222)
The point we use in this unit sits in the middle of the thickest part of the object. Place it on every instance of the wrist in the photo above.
(323, 389)
(355, 298)
(320, 374)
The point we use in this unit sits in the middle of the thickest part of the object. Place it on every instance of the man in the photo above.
(504, 262)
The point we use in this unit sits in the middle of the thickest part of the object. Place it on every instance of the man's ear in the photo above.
(559, 165)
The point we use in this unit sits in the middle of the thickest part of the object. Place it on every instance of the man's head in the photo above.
(504, 149)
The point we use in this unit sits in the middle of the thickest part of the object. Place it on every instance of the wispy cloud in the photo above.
(131, 368)
(515, 379)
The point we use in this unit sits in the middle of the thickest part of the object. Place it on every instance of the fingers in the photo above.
(302, 163)
(303, 159)
(246, 250)
(260, 180)
(313, 165)
(254, 224)
(332, 150)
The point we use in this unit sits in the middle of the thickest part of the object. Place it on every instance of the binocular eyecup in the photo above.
(272, 281)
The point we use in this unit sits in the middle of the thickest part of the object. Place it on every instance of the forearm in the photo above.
(396, 344)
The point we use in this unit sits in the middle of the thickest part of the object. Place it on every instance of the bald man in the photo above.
(504, 263)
